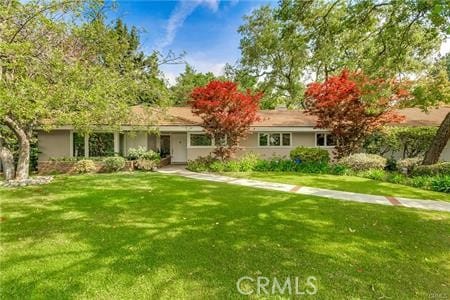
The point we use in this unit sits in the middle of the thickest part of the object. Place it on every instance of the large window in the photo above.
(101, 144)
(78, 144)
(199, 140)
(325, 140)
(274, 139)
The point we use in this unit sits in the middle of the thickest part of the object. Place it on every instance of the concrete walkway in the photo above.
(304, 190)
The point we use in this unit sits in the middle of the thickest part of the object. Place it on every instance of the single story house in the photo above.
(178, 133)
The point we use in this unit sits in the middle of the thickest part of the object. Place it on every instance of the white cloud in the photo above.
(179, 15)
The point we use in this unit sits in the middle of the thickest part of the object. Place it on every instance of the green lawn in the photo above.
(345, 183)
(146, 235)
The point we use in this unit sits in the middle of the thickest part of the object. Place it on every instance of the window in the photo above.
(325, 140)
(101, 144)
(199, 140)
(78, 144)
(274, 139)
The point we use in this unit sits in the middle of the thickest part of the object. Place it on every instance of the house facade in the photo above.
(178, 133)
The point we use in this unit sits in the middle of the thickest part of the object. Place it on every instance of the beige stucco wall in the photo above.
(135, 140)
(54, 144)
(306, 139)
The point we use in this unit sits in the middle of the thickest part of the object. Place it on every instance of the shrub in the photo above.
(135, 153)
(395, 178)
(151, 155)
(363, 161)
(441, 184)
(442, 168)
(410, 141)
(114, 163)
(375, 174)
(145, 164)
(408, 164)
(248, 162)
(391, 164)
(85, 166)
(217, 166)
(338, 169)
(310, 155)
(201, 164)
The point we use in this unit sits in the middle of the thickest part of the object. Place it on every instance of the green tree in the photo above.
(186, 82)
(300, 41)
(59, 70)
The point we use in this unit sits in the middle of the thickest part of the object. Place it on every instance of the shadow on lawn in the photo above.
(156, 236)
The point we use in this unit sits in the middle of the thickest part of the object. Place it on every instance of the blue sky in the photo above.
(205, 29)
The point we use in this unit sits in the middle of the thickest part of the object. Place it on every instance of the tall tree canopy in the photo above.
(226, 114)
(353, 106)
(61, 63)
(303, 40)
(186, 82)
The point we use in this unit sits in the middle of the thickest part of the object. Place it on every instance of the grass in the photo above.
(345, 183)
(146, 235)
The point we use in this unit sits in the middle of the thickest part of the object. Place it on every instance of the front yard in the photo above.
(148, 235)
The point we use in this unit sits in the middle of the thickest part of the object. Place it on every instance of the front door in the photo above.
(178, 144)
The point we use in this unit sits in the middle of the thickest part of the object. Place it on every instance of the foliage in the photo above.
(391, 164)
(85, 166)
(442, 168)
(282, 45)
(251, 162)
(200, 164)
(146, 164)
(186, 82)
(135, 153)
(408, 141)
(363, 161)
(409, 164)
(441, 184)
(353, 106)
(114, 163)
(142, 152)
(375, 174)
(226, 114)
(55, 69)
(310, 155)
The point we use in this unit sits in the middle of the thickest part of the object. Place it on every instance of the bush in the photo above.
(408, 164)
(248, 162)
(151, 155)
(310, 155)
(145, 164)
(391, 164)
(141, 152)
(363, 162)
(85, 166)
(114, 163)
(201, 164)
(442, 168)
(375, 174)
(441, 184)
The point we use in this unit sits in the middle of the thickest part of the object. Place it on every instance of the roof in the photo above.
(183, 116)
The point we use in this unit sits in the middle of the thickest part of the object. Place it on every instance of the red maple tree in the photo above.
(227, 114)
(352, 106)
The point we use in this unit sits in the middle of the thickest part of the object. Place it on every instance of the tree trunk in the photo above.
(23, 163)
(439, 142)
(24, 137)
(7, 161)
